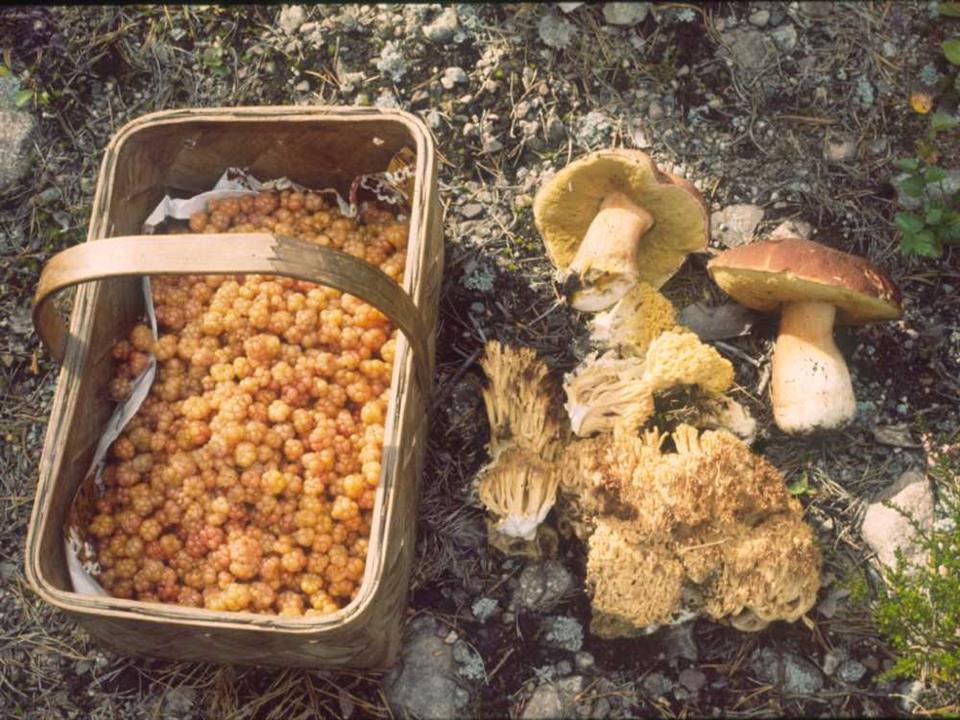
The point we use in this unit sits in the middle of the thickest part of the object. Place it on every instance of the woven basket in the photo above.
(183, 153)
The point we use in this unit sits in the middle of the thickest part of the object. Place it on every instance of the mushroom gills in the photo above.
(810, 383)
(605, 267)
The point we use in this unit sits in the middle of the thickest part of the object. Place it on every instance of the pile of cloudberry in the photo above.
(246, 480)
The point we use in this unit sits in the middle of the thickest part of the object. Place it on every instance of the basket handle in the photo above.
(224, 254)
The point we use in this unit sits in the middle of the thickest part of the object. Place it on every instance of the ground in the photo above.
(797, 108)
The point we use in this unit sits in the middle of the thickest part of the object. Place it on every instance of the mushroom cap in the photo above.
(564, 208)
(764, 275)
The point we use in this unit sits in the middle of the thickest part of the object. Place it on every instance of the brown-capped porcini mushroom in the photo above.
(611, 219)
(813, 287)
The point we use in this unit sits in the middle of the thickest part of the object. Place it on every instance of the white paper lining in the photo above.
(80, 551)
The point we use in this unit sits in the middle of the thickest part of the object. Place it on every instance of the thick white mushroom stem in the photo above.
(811, 384)
(605, 266)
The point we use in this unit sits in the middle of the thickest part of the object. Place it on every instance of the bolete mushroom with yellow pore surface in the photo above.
(813, 287)
(611, 219)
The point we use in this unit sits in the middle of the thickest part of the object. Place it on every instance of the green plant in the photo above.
(918, 608)
(937, 222)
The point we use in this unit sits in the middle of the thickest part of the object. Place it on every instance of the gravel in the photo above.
(444, 27)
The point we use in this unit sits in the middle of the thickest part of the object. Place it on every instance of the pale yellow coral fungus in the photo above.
(713, 513)
(679, 358)
(634, 321)
(527, 435)
(606, 391)
(519, 398)
(520, 489)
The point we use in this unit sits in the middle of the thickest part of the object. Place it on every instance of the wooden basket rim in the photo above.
(165, 613)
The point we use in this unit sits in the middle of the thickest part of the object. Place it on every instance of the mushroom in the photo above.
(606, 391)
(527, 434)
(813, 286)
(520, 489)
(521, 402)
(634, 321)
(611, 219)
(713, 530)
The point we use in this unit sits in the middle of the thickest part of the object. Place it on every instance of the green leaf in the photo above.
(908, 222)
(921, 243)
(934, 174)
(22, 98)
(934, 215)
(913, 186)
(949, 230)
(799, 486)
(951, 50)
(908, 164)
(4, 71)
(949, 9)
(943, 121)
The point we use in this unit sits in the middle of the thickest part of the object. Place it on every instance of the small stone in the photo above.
(291, 18)
(760, 18)
(484, 608)
(832, 660)
(839, 148)
(178, 701)
(471, 210)
(564, 667)
(792, 229)
(569, 7)
(749, 49)
(555, 32)
(584, 660)
(453, 76)
(655, 685)
(655, 111)
(545, 704)
(434, 120)
(792, 674)
(679, 643)
(556, 132)
(423, 682)
(443, 28)
(735, 224)
(785, 37)
(541, 586)
(492, 145)
(16, 128)
(692, 679)
(302, 86)
(885, 529)
(625, 14)
(451, 637)
(911, 692)
(851, 671)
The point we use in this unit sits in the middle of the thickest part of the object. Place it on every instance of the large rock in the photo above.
(16, 128)
(423, 683)
(885, 529)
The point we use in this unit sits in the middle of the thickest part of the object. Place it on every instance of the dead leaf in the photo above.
(895, 436)
(719, 322)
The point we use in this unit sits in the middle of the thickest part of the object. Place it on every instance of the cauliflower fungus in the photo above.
(713, 530)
